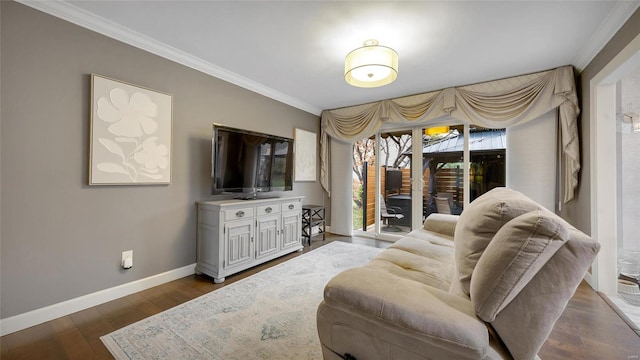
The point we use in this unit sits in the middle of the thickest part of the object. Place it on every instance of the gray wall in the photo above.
(578, 212)
(62, 238)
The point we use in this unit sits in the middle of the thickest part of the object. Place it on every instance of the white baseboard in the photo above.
(48, 313)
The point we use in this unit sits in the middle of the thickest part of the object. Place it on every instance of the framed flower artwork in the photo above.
(130, 134)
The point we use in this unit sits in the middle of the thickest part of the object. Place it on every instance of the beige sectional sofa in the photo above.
(489, 284)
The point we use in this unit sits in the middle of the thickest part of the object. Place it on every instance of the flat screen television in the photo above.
(246, 163)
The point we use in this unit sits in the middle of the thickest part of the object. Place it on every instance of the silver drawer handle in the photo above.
(268, 210)
(291, 206)
(240, 213)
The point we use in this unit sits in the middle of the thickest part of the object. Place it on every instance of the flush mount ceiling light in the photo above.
(371, 65)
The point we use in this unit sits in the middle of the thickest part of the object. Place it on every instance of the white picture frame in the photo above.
(130, 134)
(305, 155)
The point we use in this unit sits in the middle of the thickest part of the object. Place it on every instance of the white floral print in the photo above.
(132, 124)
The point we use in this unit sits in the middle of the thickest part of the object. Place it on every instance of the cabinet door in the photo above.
(291, 228)
(238, 241)
(267, 232)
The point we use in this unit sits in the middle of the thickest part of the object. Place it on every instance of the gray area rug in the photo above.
(269, 315)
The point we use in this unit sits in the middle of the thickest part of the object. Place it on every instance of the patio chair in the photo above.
(443, 205)
(389, 212)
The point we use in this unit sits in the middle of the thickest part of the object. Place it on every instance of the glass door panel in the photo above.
(443, 170)
(444, 166)
(395, 182)
(382, 185)
(364, 160)
(487, 151)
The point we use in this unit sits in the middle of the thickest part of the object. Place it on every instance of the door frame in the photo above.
(603, 149)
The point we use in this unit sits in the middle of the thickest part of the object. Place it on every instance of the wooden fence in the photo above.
(447, 180)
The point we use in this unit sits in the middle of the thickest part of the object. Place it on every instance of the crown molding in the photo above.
(617, 17)
(73, 14)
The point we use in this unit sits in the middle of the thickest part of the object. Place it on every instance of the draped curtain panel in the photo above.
(494, 104)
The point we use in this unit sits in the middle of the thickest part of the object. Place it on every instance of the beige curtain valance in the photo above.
(494, 104)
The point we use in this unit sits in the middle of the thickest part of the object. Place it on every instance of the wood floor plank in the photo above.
(43, 349)
(4, 349)
(75, 346)
(163, 297)
(121, 312)
(184, 289)
(143, 305)
(34, 334)
(92, 325)
(62, 324)
(588, 328)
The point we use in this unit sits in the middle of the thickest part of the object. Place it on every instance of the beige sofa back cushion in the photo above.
(477, 225)
(518, 250)
(520, 264)
(526, 322)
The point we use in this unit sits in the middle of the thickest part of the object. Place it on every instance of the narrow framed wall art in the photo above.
(305, 155)
(130, 134)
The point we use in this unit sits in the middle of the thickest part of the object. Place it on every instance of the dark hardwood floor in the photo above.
(588, 329)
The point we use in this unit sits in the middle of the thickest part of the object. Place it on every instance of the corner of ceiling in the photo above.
(619, 15)
(73, 14)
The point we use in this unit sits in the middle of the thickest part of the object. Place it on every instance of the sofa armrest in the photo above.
(445, 320)
(444, 224)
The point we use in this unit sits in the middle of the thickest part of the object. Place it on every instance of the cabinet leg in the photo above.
(218, 280)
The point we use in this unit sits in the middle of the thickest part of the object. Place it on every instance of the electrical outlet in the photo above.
(127, 259)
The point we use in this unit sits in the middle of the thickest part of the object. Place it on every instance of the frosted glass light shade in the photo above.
(371, 65)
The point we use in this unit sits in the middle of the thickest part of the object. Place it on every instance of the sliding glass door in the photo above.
(382, 195)
(402, 176)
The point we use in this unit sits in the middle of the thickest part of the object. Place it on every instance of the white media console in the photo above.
(234, 235)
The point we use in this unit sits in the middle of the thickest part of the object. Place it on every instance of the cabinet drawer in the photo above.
(291, 206)
(234, 214)
(267, 209)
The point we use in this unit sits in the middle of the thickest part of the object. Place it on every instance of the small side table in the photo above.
(312, 215)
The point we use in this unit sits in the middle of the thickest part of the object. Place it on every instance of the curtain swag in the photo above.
(494, 104)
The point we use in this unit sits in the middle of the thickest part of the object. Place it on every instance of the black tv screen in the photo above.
(249, 162)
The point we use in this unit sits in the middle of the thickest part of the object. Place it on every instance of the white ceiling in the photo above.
(293, 51)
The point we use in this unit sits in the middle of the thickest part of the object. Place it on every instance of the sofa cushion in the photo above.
(523, 323)
(526, 322)
(518, 250)
(394, 304)
(422, 257)
(477, 225)
(430, 237)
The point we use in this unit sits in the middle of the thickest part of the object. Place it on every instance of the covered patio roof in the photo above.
(448, 149)
(478, 141)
